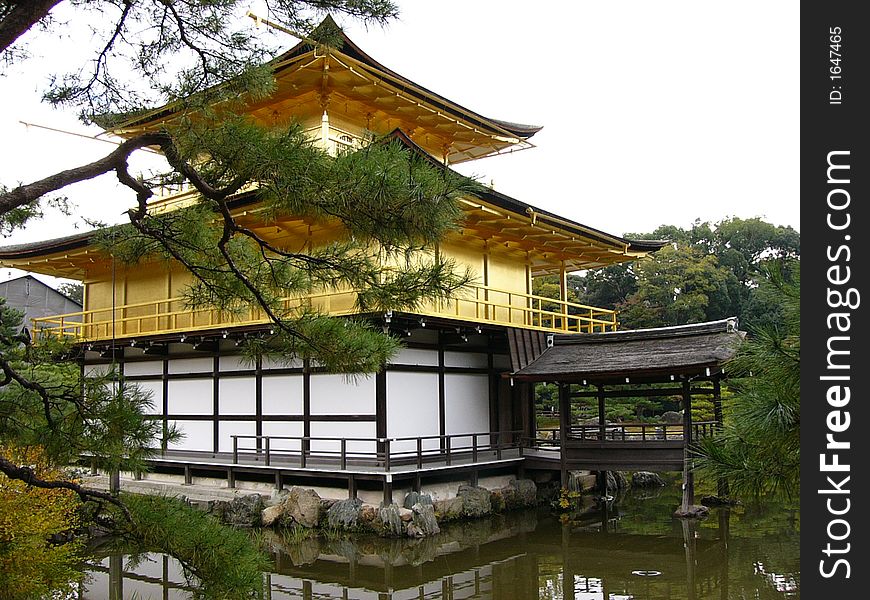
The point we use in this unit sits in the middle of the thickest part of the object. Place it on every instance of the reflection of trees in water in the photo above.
(597, 553)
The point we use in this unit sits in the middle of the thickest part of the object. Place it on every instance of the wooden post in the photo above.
(688, 475)
(602, 428)
(563, 296)
(564, 425)
(717, 402)
(567, 572)
(722, 484)
(388, 490)
(724, 540)
(690, 545)
(116, 577)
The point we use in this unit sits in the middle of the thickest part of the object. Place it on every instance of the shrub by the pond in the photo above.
(31, 566)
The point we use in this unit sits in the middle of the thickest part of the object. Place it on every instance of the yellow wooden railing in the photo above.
(477, 304)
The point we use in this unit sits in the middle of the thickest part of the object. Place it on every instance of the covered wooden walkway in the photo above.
(684, 361)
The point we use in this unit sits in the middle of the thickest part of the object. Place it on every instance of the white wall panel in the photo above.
(412, 409)
(230, 428)
(237, 396)
(235, 363)
(198, 435)
(475, 360)
(284, 428)
(97, 370)
(150, 367)
(191, 397)
(335, 395)
(344, 429)
(270, 362)
(155, 388)
(466, 405)
(191, 365)
(282, 394)
(416, 356)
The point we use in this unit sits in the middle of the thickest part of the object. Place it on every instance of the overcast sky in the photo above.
(653, 112)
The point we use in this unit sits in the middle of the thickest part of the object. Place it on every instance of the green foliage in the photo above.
(759, 450)
(608, 287)
(49, 404)
(707, 273)
(732, 252)
(30, 565)
(18, 217)
(177, 49)
(73, 291)
(673, 289)
(219, 561)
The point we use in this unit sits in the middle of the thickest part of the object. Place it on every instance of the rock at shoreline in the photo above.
(271, 515)
(719, 501)
(388, 522)
(694, 511)
(344, 514)
(413, 498)
(423, 523)
(242, 511)
(405, 514)
(615, 481)
(475, 501)
(646, 479)
(448, 510)
(300, 507)
(526, 493)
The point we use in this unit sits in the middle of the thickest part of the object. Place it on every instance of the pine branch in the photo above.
(27, 475)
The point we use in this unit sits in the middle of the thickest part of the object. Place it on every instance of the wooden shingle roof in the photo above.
(643, 355)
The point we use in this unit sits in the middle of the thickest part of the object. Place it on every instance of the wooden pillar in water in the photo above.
(564, 427)
(688, 476)
(567, 571)
(116, 577)
(724, 540)
(690, 544)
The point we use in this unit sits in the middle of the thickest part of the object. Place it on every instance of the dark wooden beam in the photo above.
(564, 426)
(643, 392)
(602, 430)
(688, 475)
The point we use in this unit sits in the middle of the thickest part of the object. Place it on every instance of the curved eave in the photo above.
(42, 248)
(289, 60)
(491, 215)
(635, 356)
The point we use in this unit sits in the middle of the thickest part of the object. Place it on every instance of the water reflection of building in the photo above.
(517, 557)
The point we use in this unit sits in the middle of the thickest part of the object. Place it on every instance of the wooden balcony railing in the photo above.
(624, 432)
(477, 304)
(386, 454)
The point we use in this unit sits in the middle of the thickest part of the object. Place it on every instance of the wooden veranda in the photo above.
(684, 361)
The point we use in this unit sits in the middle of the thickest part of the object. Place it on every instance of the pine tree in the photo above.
(759, 450)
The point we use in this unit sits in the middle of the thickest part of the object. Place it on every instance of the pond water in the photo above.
(628, 549)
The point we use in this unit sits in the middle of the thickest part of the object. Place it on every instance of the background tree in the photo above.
(742, 248)
(670, 288)
(759, 450)
(73, 291)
